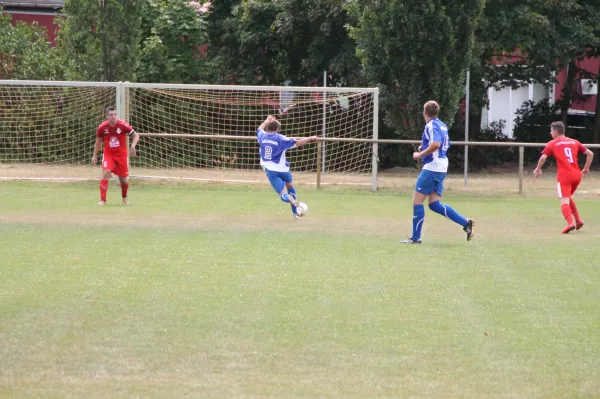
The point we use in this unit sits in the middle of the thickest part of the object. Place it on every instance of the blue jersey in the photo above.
(272, 150)
(436, 131)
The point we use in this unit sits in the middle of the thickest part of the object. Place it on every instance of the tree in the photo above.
(532, 40)
(25, 52)
(174, 34)
(269, 42)
(416, 50)
(99, 39)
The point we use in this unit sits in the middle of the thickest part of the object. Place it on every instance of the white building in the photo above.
(504, 103)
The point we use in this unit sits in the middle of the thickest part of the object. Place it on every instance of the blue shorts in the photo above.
(278, 179)
(429, 181)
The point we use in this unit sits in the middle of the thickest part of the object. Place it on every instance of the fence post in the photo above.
(521, 161)
(466, 166)
(375, 148)
(319, 164)
(119, 99)
(324, 128)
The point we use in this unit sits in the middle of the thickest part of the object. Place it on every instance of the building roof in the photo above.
(33, 4)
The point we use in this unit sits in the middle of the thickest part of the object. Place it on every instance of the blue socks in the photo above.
(418, 218)
(292, 192)
(284, 197)
(442, 209)
(449, 212)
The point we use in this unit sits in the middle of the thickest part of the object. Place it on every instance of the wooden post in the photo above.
(319, 165)
(521, 161)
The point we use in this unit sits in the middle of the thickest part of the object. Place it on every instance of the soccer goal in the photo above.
(188, 131)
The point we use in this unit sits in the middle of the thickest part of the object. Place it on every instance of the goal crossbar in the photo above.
(57, 83)
(308, 89)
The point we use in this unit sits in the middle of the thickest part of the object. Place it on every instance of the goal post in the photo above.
(190, 129)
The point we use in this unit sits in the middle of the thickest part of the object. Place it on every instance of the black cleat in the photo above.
(470, 229)
(410, 240)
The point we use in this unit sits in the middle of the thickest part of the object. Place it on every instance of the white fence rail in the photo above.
(375, 142)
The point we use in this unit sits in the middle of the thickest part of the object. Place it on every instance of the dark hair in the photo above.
(273, 126)
(432, 109)
(558, 126)
(111, 108)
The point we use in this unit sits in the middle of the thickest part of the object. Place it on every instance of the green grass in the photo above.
(213, 291)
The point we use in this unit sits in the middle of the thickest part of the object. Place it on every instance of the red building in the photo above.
(587, 91)
(41, 11)
(504, 103)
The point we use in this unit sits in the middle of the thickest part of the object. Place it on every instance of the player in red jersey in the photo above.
(113, 133)
(565, 151)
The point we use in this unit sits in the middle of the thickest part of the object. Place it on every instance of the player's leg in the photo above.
(423, 188)
(279, 186)
(124, 181)
(292, 192)
(122, 170)
(107, 166)
(289, 185)
(564, 193)
(578, 222)
(446, 210)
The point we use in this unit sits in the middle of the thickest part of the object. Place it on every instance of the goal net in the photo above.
(188, 131)
(49, 123)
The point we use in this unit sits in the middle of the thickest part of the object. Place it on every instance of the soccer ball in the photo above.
(302, 208)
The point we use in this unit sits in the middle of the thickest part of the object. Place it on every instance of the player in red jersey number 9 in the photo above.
(566, 150)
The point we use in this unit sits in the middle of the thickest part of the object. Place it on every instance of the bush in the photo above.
(483, 157)
(532, 125)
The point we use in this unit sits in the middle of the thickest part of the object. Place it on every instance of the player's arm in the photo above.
(546, 152)
(307, 140)
(538, 170)
(263, 125)
(589, 157)
(135, 138)
(97, 146)
(434, 145)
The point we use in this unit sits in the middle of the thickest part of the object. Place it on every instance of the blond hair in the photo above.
(273, 125)
(558, 126)
(431, 109)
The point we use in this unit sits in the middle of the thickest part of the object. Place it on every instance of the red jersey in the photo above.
(115, 137)
(565, 151)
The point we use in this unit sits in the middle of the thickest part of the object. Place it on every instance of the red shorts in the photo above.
(567, 188)
(118, 165)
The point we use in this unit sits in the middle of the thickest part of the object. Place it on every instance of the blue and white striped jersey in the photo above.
(272, 150)
(436, 130)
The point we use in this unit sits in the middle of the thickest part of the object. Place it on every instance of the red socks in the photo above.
(566, 211)
(124, 188)
(103, 189)
(574, 210)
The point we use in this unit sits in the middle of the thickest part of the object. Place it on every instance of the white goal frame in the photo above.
(122, 104)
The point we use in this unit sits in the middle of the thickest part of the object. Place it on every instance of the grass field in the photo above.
(214, 291)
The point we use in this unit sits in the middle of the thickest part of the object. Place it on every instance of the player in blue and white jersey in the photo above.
(273, 146)
(430, 183)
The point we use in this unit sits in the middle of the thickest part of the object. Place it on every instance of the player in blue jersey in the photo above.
(273, 146)
(430, 183)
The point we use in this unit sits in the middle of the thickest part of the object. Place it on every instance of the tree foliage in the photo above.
(416, 50)
(99, 39)
(270, 42)
(173, 36)
(25, 52)
(527, 41)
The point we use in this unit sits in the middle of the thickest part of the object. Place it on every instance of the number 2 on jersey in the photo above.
(446, 144)
(268, 152)
(569, 154)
